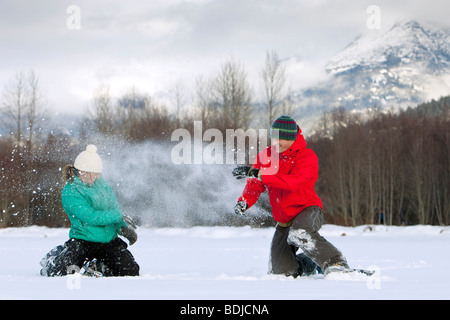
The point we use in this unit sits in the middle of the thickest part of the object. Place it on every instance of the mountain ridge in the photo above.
(406, 65)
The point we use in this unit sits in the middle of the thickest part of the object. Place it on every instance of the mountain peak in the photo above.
(406, 42)
(406, 24)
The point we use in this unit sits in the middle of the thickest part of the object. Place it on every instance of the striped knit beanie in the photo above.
(286, 128)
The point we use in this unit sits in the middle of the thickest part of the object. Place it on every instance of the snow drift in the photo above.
(230, 263)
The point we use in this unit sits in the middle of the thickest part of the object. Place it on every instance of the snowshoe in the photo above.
(363, 271)
(90, 269)
(47, 263)
(346, 269)
(95, 268)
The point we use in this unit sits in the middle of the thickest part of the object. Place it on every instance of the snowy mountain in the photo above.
(405, 43)
(403, 66)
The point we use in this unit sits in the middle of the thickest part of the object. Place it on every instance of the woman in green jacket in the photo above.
(96, 221)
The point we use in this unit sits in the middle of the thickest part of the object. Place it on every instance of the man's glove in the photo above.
(242, 172)
(240, 208)
(130, 234)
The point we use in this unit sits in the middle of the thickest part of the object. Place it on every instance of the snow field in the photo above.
(230, 263)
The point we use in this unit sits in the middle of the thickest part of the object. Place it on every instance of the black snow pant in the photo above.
(77, 252)
(302, 233)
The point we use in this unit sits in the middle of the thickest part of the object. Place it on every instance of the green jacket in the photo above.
(93, 210)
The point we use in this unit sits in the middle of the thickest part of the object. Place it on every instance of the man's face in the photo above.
(282, 145)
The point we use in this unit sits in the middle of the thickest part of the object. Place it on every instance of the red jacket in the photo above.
(289, 178)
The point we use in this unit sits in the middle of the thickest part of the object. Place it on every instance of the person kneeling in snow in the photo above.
(289, 171)
(96, 221)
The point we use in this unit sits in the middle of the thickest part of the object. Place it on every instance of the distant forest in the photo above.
(393, 168)
(375, 167)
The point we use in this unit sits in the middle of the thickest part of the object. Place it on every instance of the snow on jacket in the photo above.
(93, 210)
(289, 178)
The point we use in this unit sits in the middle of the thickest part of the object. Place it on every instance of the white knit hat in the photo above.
(89, 160)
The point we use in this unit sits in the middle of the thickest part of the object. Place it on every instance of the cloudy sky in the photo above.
(150, 45)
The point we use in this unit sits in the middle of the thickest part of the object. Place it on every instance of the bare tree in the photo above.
(273, 78)
(154, 120)
(130, 105)
(204, 101)
(103, 113)
(36, 110)
(178, 96)
(14, 105)
(232, 93)
(419, 182)
(23, 106)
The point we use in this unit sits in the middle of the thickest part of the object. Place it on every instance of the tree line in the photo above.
(223, 100)
(391, 168)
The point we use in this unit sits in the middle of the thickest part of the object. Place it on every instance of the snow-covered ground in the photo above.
(223, 263)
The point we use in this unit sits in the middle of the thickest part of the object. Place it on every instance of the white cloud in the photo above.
(158, 28)
(149, 44)
(302, 73)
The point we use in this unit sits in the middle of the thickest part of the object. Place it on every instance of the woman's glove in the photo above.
(130, 234)
(129, 221)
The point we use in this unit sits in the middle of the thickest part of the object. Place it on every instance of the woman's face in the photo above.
(88, 177)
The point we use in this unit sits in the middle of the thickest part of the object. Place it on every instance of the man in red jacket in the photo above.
(289, 170)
